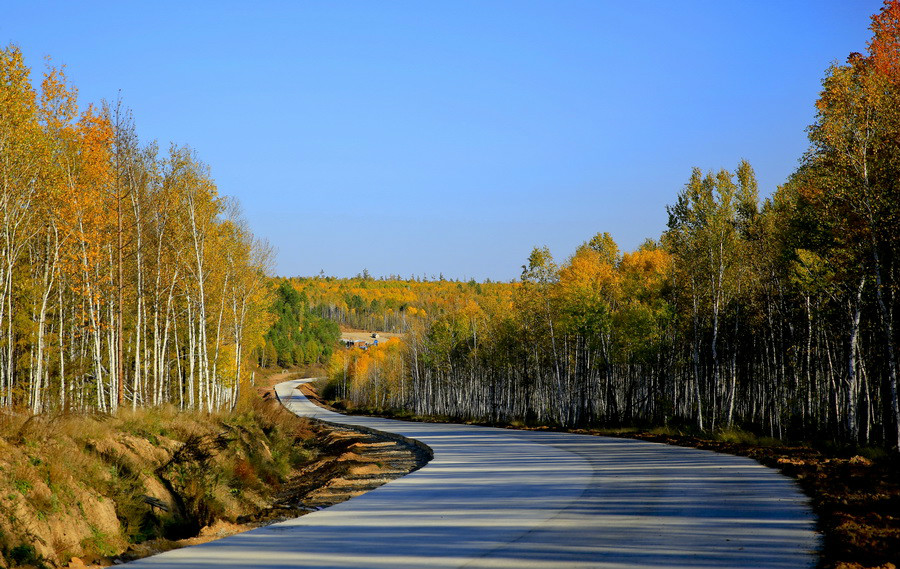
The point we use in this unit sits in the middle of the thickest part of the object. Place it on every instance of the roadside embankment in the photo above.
(97, 487)
(91, 490)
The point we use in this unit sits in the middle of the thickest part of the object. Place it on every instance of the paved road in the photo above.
(499, 498)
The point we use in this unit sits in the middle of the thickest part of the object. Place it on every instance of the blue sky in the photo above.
(420, 138)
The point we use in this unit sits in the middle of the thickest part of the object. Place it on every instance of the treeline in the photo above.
(386, 304)
(125, 279)
(774, 317)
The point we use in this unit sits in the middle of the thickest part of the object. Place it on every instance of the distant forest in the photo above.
(776, 317)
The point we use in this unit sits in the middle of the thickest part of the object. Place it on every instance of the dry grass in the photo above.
(76, 485)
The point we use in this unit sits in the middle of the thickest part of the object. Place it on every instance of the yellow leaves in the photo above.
(17, 98)
(371, 373)
(359, 367)
(810, 272)
(647, 266)
(64, 178)
(472, 309)
(645, 272)
(587, 275)
(58, 105)
(24, 149)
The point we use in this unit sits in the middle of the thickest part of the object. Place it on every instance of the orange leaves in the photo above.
(66, 181)
(884, 46)
(95, 134)
(809, 192)
(849, 175)
(855, 96)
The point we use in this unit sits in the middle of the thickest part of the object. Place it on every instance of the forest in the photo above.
(125, 278)
(296, 336)
(774, 316)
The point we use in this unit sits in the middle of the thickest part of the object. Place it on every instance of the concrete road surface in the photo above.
(518, 499)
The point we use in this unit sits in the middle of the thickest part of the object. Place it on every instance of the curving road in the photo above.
(521, 499)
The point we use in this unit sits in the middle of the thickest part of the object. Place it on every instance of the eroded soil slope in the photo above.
(92, 490)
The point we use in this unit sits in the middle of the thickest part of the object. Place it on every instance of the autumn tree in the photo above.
(849, 178)
(174, 283)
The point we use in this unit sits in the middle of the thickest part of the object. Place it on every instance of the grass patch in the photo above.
(97, 475)
(98, 544)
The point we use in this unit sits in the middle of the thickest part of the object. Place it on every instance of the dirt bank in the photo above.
(91, 491)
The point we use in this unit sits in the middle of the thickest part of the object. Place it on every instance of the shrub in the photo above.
(25, 554)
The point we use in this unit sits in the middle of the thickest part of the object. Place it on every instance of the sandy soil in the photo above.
(366, 336)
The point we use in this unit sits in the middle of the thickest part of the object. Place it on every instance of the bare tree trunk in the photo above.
(63, 400)
(48, 280)
(886, 317)
(696, 357)
(852, 365)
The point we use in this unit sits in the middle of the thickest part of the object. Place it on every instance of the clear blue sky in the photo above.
(452, 137)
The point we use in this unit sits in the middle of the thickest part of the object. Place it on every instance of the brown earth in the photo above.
(354, 464)
(344, 463)
(351, 463)
(364, 336)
